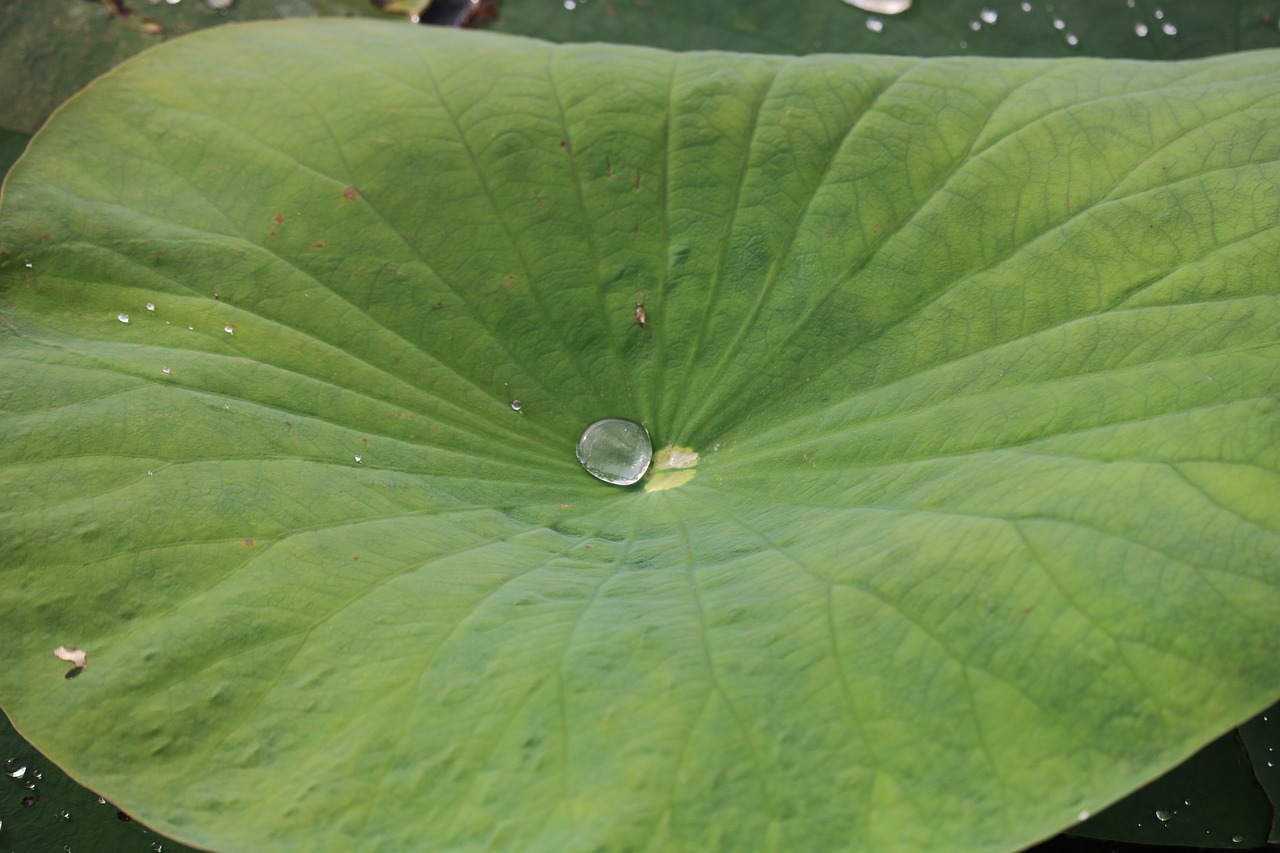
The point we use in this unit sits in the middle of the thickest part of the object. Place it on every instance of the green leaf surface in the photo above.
(980, 360)
(49, 49)
(1142, 29)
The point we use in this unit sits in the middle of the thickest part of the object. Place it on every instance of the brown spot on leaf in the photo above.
(319, 244)
(271, 233)
(350, 194)
(636, 182)
(152, 27)
(564, 143)
(279, 218)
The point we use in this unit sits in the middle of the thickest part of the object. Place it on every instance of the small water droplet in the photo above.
(37, 774)
(28, 264)
(988, 16)
(1237, 838)
(1159, 13)
(191, 328)
(151, 306)
(1059, 24)
(19, 773)
(616, 451)
(149, 474)
(101, 801)
(1169, 29)
(1186, 802)
(875, 25)
(166, 371)
(1083, 816)
(1271, 764)
(1073, 39)
(123, 318)
(64, 814)
(1141, 29)
(358, 459)
(1026, 7)
(230, 330)
(516, 405)
(975, 25)
(1163, 815)
(157, 846)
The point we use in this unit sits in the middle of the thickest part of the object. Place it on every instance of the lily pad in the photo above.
(978, 359)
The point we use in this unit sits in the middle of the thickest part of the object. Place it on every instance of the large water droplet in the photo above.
(516, 405)
(1237, 838)
(151, 306)
(1059, 24)
(1026, 7)
(19, 772)
(615, 451)
(1163, 815)
(989, 16)
(881, 7)
(1141, 29)
(1168, 28)
(123, 318)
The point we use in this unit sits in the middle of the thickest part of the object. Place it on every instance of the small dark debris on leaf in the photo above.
(437, 306)
(28, 802)
(122, 817)
(117, 8)
(459, 13)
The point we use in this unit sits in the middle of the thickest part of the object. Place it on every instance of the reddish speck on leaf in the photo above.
(566, 506)
(279, 218)
(349, 194)
(364, 441)
(586, 547)
(271, 233)
(248, 543)
(317, 245)
(160, 255)
(45, 237)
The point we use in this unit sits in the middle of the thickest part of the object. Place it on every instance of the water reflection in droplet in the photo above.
(988, 16)
(151, 306)
(1141, 29)
(123, 318)
(1073, 39)
(28, 264)
(19, 772)
(1163, 815)
(1237, 838)
(230, 330)
(975, 25)
(1159, 13)
(875, 24)
(616, 451)
(570, 5)
(516, 405)
(1059, 24)
(1168, 28)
